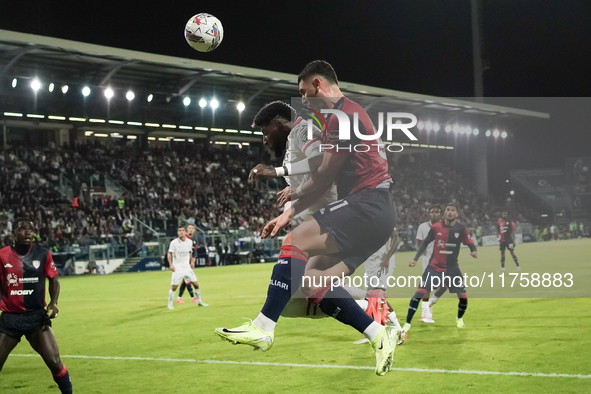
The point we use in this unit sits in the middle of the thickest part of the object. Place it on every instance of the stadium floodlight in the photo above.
(504, 134)
(512, 192)
(203, 103)
(496, 133)
(436, 127)
(240, 106)
(14, 82)
(421, 125)
(456, 128)
(487, 133)
(187, 101)
(109, 93)
(507, 181)
(214, 103)
(475, 131)
(65, 89)
(86, 91)
(150, 97)
(51, 87)
(448, 128)
(35, 84)
(468, 130)
(428, 126)
(130, 95)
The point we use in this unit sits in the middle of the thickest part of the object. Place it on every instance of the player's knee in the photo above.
(421, 293)
(54, 363)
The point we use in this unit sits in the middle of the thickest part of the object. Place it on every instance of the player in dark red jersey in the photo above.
(443, 271)
(347, 231)
(23, 270)
(507, 240)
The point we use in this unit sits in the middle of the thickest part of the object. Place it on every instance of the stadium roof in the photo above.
(171, 79)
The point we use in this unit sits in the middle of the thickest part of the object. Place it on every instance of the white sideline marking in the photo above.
(461, 371)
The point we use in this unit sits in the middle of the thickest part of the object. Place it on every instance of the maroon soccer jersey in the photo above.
(366, 166)
(22, 279)
(506, 230)
(447, 244)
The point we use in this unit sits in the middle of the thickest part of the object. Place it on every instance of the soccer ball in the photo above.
(204, 32)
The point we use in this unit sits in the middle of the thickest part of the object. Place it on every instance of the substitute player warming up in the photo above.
(23, 270)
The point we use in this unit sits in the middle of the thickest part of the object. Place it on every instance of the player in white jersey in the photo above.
(302, 156)
(423, 230)
(182, 262)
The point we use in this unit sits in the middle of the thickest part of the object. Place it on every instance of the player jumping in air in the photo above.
(24, 267)
(182, 262)
(443, 271)
(422, 231)
(507, 240)
(349, 230)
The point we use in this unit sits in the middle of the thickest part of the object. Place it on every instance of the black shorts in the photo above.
(508, 244)
(16, 325)
(360, 224)
(451, 279)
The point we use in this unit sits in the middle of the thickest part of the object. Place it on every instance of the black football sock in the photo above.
(462, 306)
(285, 280)
(182, 289)
(412, 307)
(63, 381)
(339, 304)
(190, 290)
(503, 261)
(515, 259)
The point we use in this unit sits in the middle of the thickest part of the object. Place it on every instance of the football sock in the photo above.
(264, 323)
(182, 289)
(285, 280)
(414, 304)
(503, 261)
(190, 290)
(372, 330)
(198, 294)
(462, 306)
(394, 320)
(63, 380)
(516, 261)
(339, 304)
(425, 308)
(432, 301)
(170, 296)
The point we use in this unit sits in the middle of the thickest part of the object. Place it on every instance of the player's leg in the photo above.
(182, 288)
(436, 295)
(512, 250)
(426, 315)
(175, 282)
(43, 342)
(462, 306)
(7, 343)
(503, 247)
(192, 278)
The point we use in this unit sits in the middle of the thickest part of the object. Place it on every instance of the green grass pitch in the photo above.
(107, 321)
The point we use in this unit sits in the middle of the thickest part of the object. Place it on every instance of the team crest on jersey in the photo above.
(36, 264)
(12, 279)
(457, 235)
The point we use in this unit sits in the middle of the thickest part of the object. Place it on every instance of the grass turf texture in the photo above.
(125, 315)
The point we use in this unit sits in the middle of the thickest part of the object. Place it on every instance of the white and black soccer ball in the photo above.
(204, 32)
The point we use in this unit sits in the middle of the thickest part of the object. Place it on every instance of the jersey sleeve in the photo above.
(50, 270)
(172, 247)
(420, 233)
(467, 240)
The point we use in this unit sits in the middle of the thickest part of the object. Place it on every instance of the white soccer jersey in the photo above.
(422, 232)
(299, 148)
(181, 254)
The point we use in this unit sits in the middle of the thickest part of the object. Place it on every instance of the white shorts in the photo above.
(178, 276)
(372, 268)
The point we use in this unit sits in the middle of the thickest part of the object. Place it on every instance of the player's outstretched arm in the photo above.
(54, 293)
(169, 257)
(273, 227)
(262, 171)
(430, 237)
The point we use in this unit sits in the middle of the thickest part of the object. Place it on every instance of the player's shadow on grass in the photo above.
(141, 314)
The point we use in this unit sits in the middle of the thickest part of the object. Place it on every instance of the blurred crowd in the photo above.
(195, 184)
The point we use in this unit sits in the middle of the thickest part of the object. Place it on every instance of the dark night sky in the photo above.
(533, 48)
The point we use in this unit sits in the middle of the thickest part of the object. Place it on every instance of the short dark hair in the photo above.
(273, 110)
(452, 204)
(22, 219)
(321, 68)
(432, 207)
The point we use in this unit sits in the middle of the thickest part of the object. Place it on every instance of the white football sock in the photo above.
(264, 323)
(433, 300)
(394, 320)
(170, 296)
(198, 294)
(425, 308)
(373, 330)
